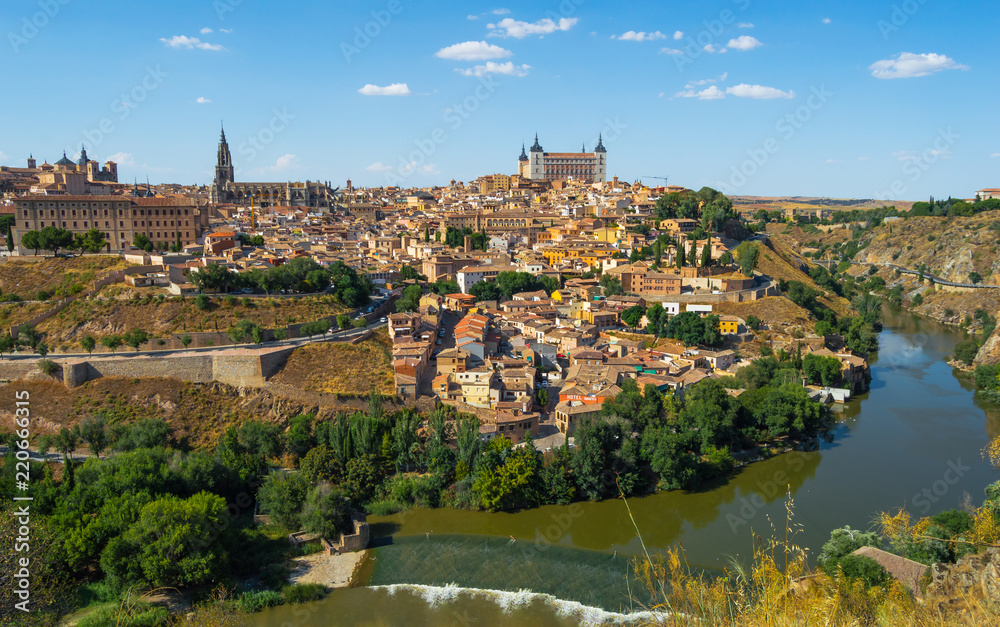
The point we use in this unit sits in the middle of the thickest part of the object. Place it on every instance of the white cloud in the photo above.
(912, 155)
(3, 157)
(378, 166)
(205, 31)
(909, 65)
(834, 160)
(744, 25)
(709, 93)
(519, 30)
(671, 51)
(396, 89)
(995, 155)
(225, 30)
(282, 164)
(639, 36)
(758, 92)
(183, 41)
(472, 17)
(711, 48)
(122, 158)
(500, 11)
(678, 35)
(473, 51)
(863, 158)
(413, 168)
(202, 100)
(492, 67)
(706, 81)
(827, 20)
(744, 42)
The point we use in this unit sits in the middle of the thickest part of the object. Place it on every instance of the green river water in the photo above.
(914, 440)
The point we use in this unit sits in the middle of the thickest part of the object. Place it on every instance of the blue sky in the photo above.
(855, 99)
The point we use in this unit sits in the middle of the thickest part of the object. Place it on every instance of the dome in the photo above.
(65, 160)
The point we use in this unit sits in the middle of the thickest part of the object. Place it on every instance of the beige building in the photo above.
(163, 220)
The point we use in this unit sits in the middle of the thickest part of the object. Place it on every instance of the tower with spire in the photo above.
(223, 163)
(588, 167)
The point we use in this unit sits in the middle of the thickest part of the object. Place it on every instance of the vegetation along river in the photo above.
(914, 440)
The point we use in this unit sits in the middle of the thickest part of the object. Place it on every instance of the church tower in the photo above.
(536, 166)
(601, 167)
(223, 164)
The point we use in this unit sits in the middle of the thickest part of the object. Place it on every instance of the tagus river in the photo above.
(914, 440)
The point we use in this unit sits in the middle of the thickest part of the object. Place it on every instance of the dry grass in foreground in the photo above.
(778, 589)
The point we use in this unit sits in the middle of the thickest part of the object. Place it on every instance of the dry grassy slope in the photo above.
(960, 246)
(781, 262)
(175, 315)
(342, 368)
(24, 276)
(989, 353)
(202, 413)
(795, 237)
(773, 310)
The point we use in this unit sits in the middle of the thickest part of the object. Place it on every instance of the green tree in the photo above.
(300, 436)
(142, 242)
(93, 241)
(282, 497)
(511, 483)
(746, 256)
(485, 291)
(753, 322)
(819, 370)
(320, 464)
(542, 396)
(706, 254)
(32, 240)
(174, 543)
(975, 277)
(326, 512)
(54, 238)
(88, 343)
(135, 338)
(612, 285)
(93, 431)
(680, 256)
(111, 342)
(6, 343)
(343, 321)
(633, 316)
(213, 277)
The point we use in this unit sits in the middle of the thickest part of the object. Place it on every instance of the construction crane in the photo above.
(253, 218)
(662, 178)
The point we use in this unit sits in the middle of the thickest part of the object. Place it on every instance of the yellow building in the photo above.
(494, 183)
(728, 326)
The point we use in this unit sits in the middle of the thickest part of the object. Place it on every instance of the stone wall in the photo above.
(357, 541)
(193, 368)
(19, 369)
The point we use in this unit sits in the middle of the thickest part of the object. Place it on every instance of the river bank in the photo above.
(896, 446)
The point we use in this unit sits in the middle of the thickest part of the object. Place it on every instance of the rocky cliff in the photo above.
(950, 247)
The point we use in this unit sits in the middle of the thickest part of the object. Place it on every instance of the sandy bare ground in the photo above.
(334, 571)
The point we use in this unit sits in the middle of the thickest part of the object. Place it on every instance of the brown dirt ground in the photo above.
(24, 276)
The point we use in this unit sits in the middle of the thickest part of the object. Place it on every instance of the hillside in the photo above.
(950, 247)
(199, 413)
(58, 276)
(780, 261)
(341, 368)
(162, 316)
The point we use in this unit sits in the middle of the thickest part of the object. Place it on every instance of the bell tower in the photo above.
(223, 164)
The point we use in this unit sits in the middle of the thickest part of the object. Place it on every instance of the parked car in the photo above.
(383, 319)
(438, 342)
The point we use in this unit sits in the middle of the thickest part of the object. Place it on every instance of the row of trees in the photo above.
(512, 282)
(54, 239)
(302, 274)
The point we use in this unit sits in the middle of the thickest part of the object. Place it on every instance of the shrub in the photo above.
(138, 615)
(256, 601)
(305, 592)
(917, 300)
(966, 351)
(864, 569)
(47, 366)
